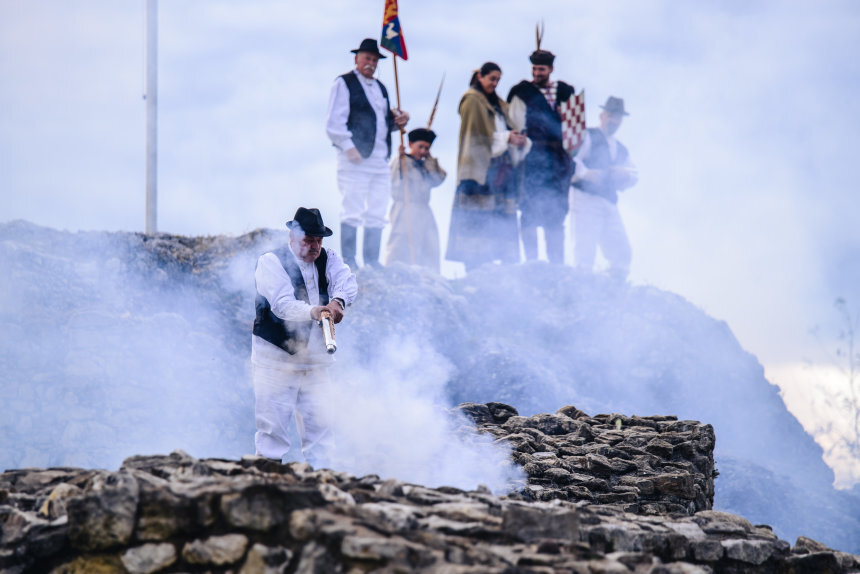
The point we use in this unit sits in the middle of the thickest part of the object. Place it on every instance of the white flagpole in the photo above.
(151, 116)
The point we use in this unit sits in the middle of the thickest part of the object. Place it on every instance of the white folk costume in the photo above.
(360, 117)
(288, 356)
(596, 220)
(414, 237)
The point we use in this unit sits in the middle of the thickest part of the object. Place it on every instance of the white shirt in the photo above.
(274, 284)
(584, 152)
(338, 114)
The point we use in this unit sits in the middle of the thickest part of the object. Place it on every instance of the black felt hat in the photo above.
(310, 221)
(422, 135)
(369, 45)
(542, 58)
(614, 105)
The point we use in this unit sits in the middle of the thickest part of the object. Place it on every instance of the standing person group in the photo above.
(511, 159)
(492, 184)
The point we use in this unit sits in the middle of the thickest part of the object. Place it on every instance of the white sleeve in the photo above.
(338, 114)
(341, 280)
(274, 284)
(517, 113)
(582, 154)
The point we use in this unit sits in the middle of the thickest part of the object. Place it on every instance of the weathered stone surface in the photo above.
(263, 559)
(215, 550)
(105, 516)
(148, 558)
(179, 514)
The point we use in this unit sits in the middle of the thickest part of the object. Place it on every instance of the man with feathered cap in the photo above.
(296, 283)
(359, 124)
(534, 108)
(414, 237)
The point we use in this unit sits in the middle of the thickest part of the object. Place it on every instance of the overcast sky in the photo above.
(744, 126)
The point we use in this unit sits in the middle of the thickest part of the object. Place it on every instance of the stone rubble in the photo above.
(175, 513)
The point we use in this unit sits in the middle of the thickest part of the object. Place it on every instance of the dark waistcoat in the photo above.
(291, 336)
(547, 165)
(362, 117)
(599, 158)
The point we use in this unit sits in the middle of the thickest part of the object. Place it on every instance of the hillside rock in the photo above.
(178, 514)
(121, 343)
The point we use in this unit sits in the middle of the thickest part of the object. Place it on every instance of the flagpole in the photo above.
(405, 180)
(151, 116)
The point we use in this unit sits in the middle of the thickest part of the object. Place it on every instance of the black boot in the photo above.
(347, 245)
(372, 242)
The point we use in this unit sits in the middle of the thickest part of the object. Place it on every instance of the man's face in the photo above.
(540, 74)
(419, 149)
(306, 247)
(610, 122)
(365, 63)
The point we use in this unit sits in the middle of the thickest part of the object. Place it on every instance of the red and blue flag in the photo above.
(392, 36)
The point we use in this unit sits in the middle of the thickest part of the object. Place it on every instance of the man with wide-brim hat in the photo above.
(414, 235)
(534, 108)
(603, 168)
(295, 284)
(359, 124)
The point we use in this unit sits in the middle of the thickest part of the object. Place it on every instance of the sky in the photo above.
(743, 125)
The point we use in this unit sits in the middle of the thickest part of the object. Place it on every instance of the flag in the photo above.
(392, 37)
(572, 113)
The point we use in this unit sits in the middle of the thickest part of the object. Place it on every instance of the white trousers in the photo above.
(597, 223)
(279, 394)
(364, 191)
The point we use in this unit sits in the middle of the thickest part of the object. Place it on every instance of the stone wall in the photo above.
(648, 465)
(180, 514)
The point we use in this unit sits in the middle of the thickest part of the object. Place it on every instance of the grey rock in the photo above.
(216, 550)
(148, 558)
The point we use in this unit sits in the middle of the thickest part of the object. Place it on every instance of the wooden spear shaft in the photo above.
(404, 180)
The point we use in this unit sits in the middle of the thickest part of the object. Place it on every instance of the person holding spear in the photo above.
(359, 124)
(414, 237)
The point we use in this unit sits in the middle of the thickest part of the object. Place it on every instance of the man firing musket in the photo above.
(297, 285)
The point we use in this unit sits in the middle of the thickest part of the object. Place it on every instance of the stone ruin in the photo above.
(603, 494)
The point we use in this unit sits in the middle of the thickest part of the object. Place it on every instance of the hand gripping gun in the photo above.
(327, 326)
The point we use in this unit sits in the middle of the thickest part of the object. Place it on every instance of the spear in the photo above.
(436, 103)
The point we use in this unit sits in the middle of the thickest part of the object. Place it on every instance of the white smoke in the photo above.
(390, 418)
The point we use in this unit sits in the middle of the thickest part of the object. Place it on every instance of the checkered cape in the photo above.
(572, 113)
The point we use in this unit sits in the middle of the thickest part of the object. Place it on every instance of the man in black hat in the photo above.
(359, 124)
(414, 237)
(603, 168)
(288, 355)
(548, 168)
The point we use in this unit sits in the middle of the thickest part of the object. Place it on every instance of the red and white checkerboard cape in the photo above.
(572, 113)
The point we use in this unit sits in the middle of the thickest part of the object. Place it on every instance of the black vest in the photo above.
(362, 117)
(547, 165)
(291, 336)
(598, 158)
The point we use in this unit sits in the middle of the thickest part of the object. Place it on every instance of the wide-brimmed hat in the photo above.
(542, 58)
(614, 105)
(310, 221)
(422, 135)
(369, 45)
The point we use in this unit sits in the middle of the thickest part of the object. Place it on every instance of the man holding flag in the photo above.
(359, 124)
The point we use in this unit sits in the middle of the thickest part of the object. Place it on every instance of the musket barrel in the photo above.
(328, 332)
